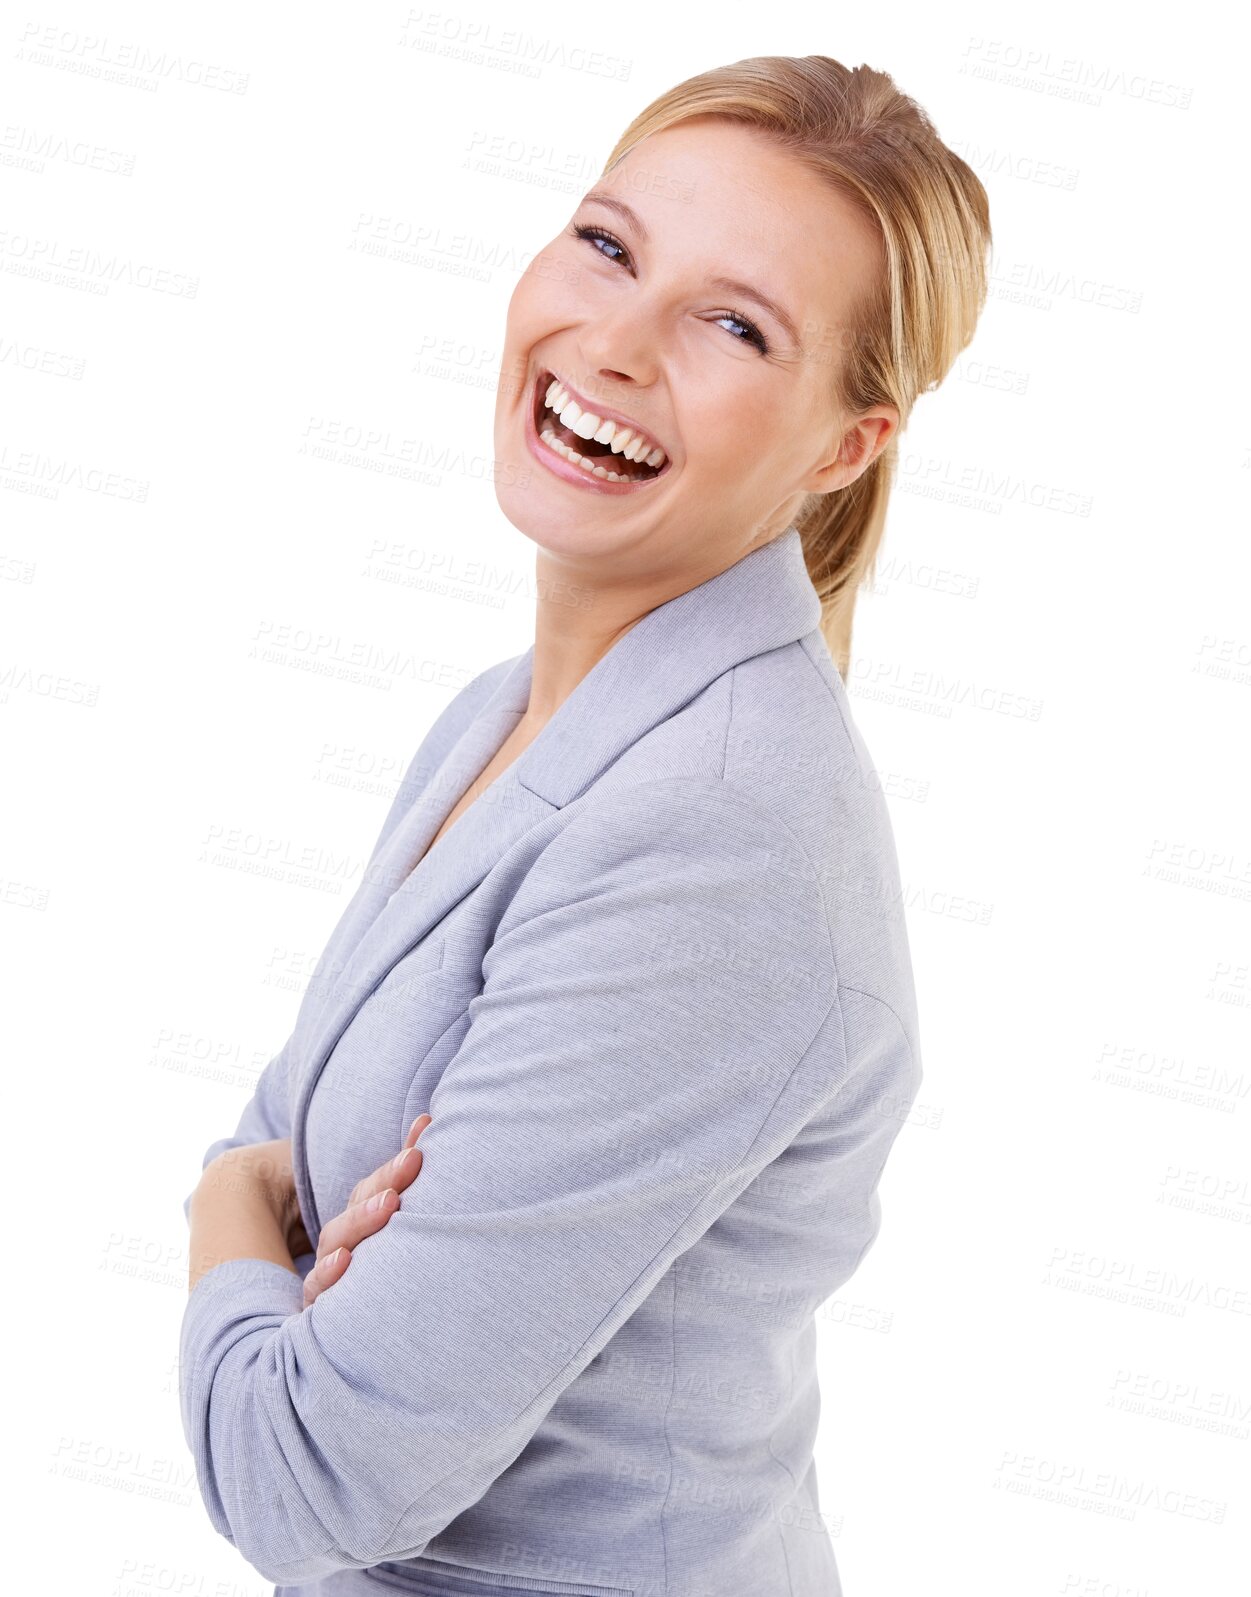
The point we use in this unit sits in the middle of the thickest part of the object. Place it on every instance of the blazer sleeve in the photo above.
(657, 1020)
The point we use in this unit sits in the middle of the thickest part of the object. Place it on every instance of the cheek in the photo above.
(738, 435)
(546, 297)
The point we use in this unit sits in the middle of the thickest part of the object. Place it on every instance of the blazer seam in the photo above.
(881, 1163)
(790, 1393)
(450, 1025)
(803, 644)
(729, 724)
(673, 1382)
(745, 797)
(766, 818)
(903, 1030)
(790, 1473)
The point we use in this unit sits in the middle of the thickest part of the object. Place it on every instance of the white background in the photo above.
(1037, 1381)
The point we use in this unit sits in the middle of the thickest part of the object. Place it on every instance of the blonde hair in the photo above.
(878, 148)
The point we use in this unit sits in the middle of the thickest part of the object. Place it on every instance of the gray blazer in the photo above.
(654, 988)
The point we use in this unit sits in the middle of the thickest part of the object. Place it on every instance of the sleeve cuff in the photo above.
(234, 1291)
(252, 1286)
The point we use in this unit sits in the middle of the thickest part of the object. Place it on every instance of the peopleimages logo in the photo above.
(56, 473)
(1105, 1491)
(77, 265)
(1066, 77)
(95, 55)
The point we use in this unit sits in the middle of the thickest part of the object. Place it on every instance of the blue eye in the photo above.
(597, 235)
(754, 335)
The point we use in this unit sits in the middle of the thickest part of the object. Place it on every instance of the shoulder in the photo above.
(763, 789)
(681, 872)
(792, 739)
(678, 818)
(770, 748)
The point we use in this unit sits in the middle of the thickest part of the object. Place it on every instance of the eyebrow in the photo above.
(731, 284)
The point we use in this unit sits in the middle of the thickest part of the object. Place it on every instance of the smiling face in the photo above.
(686, 326)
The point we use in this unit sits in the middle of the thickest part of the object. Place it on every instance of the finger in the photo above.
(372, 1203)
(398, 1171)
(325, 1273)
(357, 1221)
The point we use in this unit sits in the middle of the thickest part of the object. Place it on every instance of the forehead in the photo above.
(722, 198)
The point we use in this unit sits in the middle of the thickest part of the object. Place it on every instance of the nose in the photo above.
(618, 352)
(613, 382)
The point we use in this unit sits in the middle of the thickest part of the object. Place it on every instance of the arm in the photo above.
(243, 1209)
(246, 1207)
(642, 1047)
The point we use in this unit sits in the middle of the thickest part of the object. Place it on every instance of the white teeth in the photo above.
(625, 441)
(594, 467)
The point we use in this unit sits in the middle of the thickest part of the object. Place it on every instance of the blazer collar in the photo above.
(762, 602)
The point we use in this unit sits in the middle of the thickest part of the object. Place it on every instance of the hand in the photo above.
(374, 1199)
(264, 1170)
(245, 1207)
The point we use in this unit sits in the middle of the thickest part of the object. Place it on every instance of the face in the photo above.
(699, 296)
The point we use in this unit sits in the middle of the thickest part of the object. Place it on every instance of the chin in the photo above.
(558, 529)
(566, 522)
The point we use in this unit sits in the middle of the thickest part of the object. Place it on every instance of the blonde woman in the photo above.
(629, 957)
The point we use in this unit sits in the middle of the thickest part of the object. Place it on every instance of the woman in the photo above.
(629, 956)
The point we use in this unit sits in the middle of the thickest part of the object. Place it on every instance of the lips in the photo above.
(572, 448)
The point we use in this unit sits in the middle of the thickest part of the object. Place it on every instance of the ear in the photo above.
(856, 450)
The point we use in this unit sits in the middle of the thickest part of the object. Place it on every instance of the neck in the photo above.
(581, 614)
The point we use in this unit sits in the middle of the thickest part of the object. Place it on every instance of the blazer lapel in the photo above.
(395, 871)
(409, 894)
(665, 660)
(764, 601)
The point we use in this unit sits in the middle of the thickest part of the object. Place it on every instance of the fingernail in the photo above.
(379, 1198)
(332, 1258)
(416, 1123)
(399, 1159)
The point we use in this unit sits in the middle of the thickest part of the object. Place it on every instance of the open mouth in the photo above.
(614, 452)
